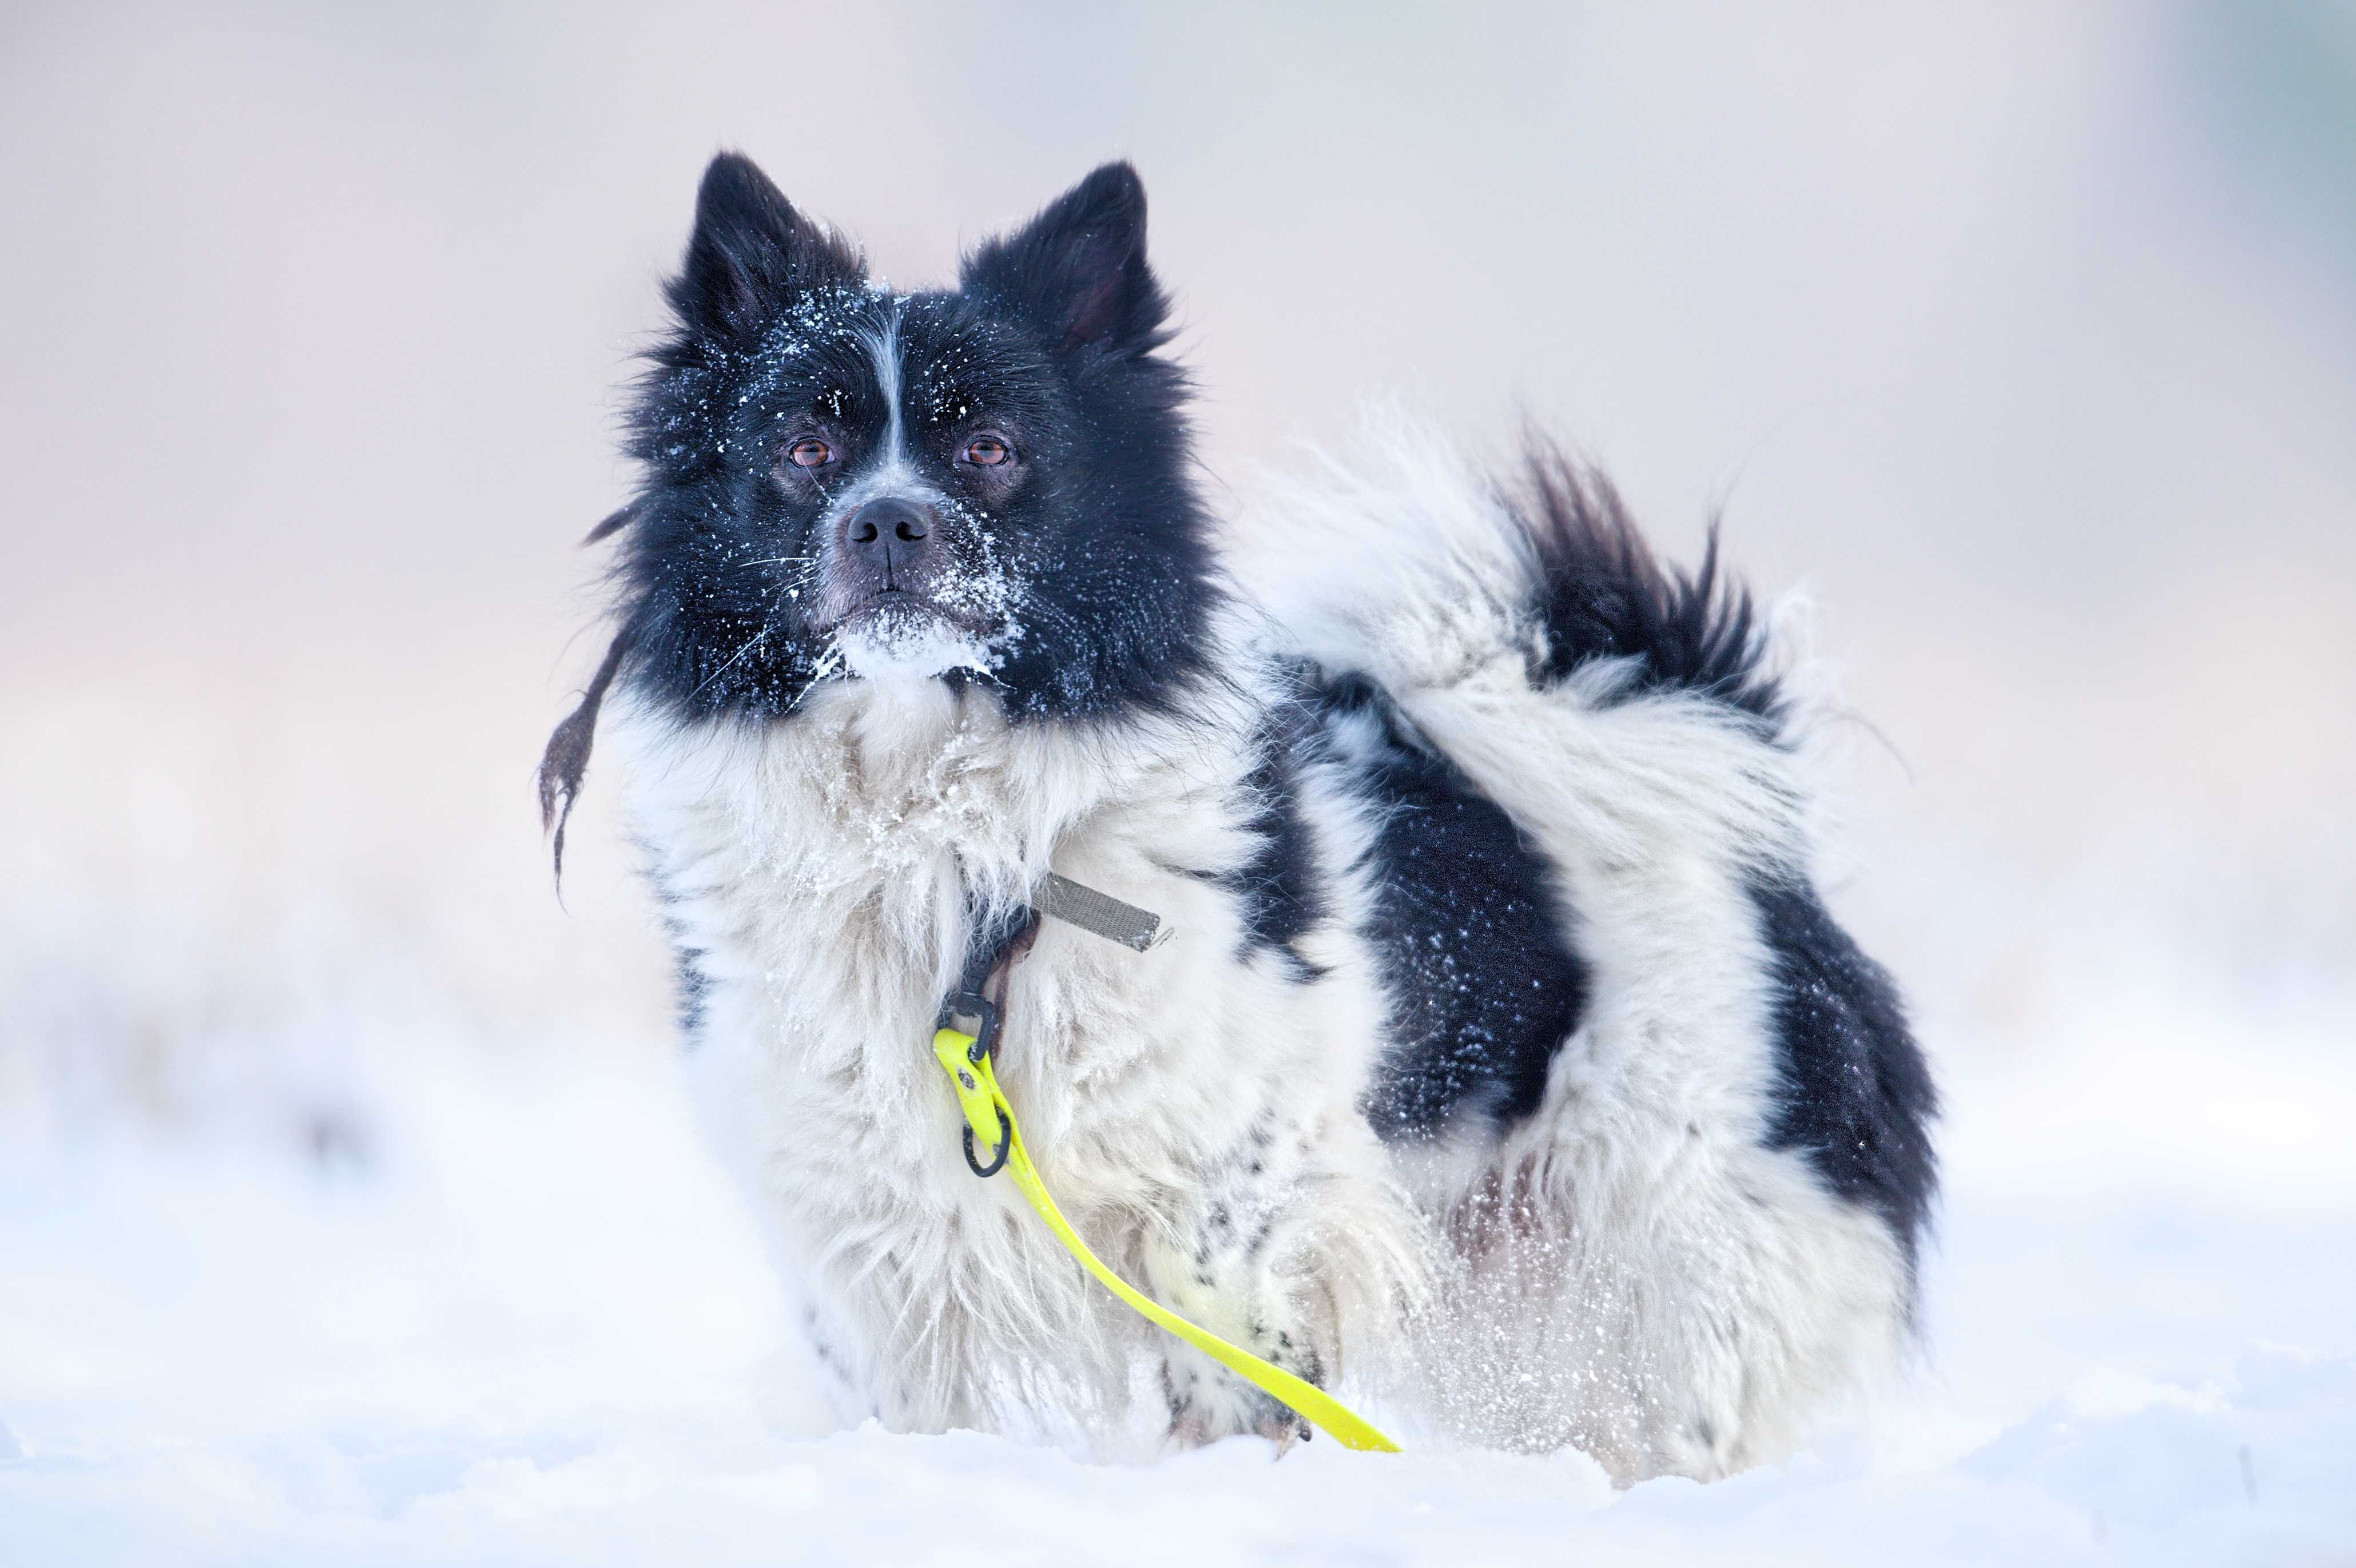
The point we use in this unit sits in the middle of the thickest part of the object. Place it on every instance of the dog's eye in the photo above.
(809, 453)
(987, 451)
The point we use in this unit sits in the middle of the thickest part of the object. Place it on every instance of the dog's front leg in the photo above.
(1227, 1264)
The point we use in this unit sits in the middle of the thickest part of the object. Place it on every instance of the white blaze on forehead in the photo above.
(883, 348)
(888, 470)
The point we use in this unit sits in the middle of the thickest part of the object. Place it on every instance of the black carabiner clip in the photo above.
(971, 1012)
(1005, 1148)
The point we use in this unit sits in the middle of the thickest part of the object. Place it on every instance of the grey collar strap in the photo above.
(992, 949)
(1062, 898)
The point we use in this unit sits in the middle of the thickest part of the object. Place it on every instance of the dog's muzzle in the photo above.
(897, 553)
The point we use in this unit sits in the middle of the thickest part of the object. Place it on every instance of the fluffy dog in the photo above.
(1501, 1051)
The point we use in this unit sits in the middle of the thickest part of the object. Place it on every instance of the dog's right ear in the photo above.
(752, 252)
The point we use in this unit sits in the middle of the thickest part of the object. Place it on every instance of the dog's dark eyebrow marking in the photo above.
(567, 757)
(612, 524)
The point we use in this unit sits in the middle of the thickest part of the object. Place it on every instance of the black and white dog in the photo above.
(1502, 1051)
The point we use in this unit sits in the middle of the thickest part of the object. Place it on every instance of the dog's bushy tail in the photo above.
(1405, 562)
(1525, 614)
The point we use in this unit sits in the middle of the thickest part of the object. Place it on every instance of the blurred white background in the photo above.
(2024, 334)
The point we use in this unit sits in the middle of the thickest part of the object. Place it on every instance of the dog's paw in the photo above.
(1212, 1406)
(1286, 1429)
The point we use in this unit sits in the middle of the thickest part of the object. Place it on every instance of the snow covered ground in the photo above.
(487, 1301)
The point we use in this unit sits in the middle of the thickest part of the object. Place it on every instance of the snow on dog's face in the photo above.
(986, 485)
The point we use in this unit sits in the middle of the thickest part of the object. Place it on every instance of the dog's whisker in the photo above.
(768, 624)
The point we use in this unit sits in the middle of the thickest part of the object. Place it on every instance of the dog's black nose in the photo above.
(889, 518)
(888, 543)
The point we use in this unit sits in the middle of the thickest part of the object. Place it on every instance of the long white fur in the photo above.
(1632, 1270)
(823, 866)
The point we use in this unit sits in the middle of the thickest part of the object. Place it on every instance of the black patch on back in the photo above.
(1601, 593)
(1856, 1097)
(1282, 888)
(1468, 931)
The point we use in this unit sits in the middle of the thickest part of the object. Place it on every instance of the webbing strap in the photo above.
(1085, 907)
(990, 1121)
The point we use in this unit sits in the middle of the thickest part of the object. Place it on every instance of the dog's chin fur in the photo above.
(1503, 1059)
(910, 646)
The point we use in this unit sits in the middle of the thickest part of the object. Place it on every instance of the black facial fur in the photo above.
(1050, 343)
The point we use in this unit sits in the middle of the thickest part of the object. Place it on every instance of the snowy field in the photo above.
(443, 1299)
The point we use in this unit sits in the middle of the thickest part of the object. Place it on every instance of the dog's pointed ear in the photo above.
(750, 252)
(1078, 269)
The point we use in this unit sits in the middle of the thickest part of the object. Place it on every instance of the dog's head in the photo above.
(988, 485)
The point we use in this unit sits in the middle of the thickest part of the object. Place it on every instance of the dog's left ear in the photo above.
(1078, 269)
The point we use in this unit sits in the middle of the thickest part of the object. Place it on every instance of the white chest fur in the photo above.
(823, 873)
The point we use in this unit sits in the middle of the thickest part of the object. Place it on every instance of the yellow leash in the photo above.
(991, 1120)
